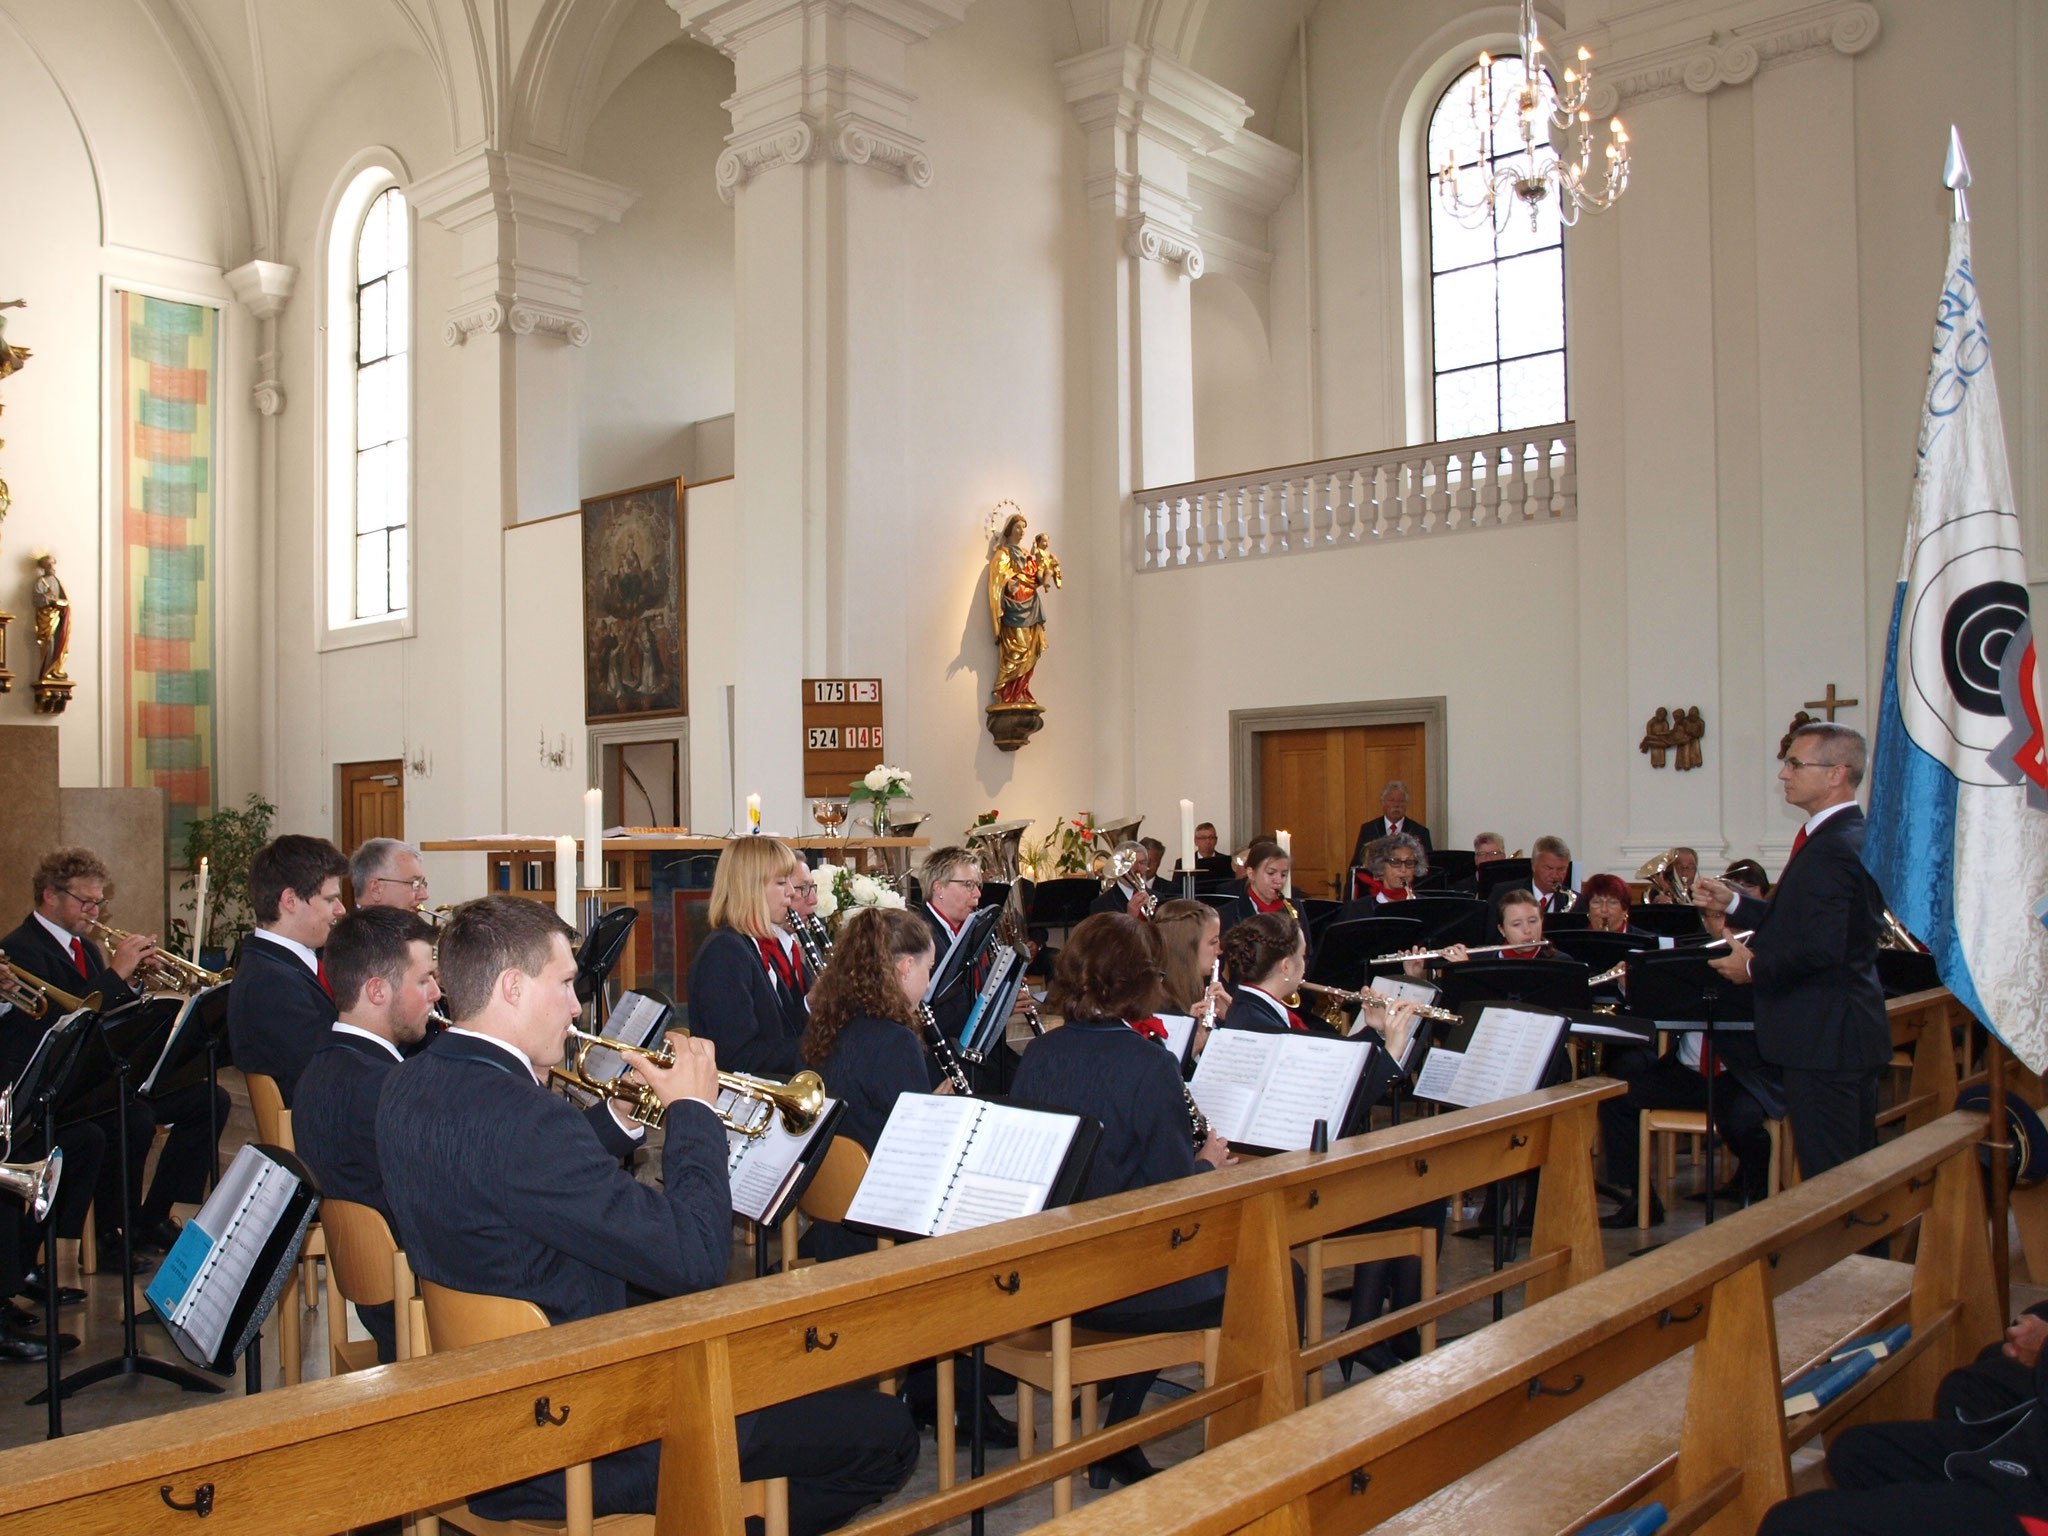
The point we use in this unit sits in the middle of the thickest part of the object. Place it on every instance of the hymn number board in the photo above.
(842, 733)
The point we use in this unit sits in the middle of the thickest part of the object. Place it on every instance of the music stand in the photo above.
(1559, 985)
(1597, 951)
(132, 1361)
(1448, 920)
(1064, 902)
(1555, 923)
(1671, 922)
(1900, 971)
(1316, 917)
(1448, 866)
(37, 1092)
(1676, 987)
(600, 951)
(1344, 958)
(1496, 873)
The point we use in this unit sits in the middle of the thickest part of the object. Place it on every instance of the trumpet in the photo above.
(1897, 936)
(33, 995)
(34, 1184)
(799, 1101)
(161, 971)
(1438, 954)
(1424, 1010)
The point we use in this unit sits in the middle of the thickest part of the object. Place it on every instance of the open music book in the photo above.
(1267, 1091)
(768, 1173)
(636, 1019)
(944, 1164)
(185, 1041)
(1508, 1053)
(220, 1278)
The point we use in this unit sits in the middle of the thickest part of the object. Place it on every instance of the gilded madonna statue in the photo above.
(1017, 577)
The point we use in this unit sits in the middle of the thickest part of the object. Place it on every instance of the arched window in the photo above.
(1496, 292)
(368, 416)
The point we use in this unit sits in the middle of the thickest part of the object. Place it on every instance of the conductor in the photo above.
(1813, 955)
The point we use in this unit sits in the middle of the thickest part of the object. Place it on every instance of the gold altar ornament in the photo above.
(1017, 577)
(53, 638)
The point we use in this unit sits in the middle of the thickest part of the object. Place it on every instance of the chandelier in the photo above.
(1530, 173)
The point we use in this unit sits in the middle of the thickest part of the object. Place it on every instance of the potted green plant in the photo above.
(228, 841)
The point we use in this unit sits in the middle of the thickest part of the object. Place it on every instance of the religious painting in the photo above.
(633, 604)
(165, 356)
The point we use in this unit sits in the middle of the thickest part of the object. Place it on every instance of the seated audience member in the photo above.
(1550, 873)
(745, 998)
(380, 961)
(1208, 862)
(1604, 900)
(1979, 1466)
(1392, 866)
(505, 1189)
(385, 872)
(279, 1004)
(1098, 1064)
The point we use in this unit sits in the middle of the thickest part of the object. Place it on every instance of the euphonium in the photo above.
(1661, 874)
(34, 1184)
(799, 1101)
(169, 972)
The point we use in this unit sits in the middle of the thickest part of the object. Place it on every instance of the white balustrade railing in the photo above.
(1496, 481)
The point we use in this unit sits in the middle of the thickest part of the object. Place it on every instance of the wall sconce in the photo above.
(558, 755)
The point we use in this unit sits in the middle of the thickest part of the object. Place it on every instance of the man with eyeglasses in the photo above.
(1812, 957)
(387, 873)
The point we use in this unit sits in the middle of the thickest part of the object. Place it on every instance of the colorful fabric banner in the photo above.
(1958, 835)
(168, 361)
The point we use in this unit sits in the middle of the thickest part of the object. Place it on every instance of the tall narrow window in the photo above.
(1496, 293)
(383, 410)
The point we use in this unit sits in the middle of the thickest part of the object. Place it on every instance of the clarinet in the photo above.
(942, 1052)
(1198, 1123)
(812, 939)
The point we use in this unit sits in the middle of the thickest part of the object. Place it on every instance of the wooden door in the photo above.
(372, 802)
(1323, 785)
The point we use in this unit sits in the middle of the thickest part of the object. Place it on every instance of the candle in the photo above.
(753, 813)
(565, 879)
(593, 839)
(1187, 836)
(1286, 841)
(199, 911)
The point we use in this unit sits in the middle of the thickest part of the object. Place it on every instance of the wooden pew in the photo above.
(1481, 1433)
(376, 1444)
(1923, 1024)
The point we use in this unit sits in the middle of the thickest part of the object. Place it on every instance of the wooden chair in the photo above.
(449, 1319)
(1354, 1248)
(366, 1266)
(1673, 1123)
(274, 1126)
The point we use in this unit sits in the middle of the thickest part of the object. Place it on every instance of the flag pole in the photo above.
(1955, 175)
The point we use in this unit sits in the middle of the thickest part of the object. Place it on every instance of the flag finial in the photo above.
(1955, 173)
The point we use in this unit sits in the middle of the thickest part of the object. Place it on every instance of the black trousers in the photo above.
(187, 1161)
(1388, 1285)
(841, 1451)
(1127, 1393)
(1665, 1082)
(1889, 1481)
(1833, 1116)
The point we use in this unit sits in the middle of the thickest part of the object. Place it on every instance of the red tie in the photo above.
(320, 970)
(78, 958)
(1798, 843)
(1150, 1028)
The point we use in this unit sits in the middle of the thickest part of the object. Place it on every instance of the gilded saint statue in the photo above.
(11, 357)
(1017, 578)
(53, 637)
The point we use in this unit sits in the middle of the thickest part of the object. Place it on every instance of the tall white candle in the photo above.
(753, 813)
(1286, 841)
(199, 911)
(565, 879)
(593, 839)
(1187, 836)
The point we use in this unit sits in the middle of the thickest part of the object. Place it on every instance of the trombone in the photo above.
(170, 972)
(33, 995)
(800, 1100)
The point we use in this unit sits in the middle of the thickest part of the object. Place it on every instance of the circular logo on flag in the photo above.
(1965, 601)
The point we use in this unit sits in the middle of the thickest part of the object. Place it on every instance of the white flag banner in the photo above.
(1958, 834)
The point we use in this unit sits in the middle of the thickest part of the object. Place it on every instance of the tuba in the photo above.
(799, 1101)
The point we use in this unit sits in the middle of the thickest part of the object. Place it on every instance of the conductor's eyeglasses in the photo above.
(1793, 762)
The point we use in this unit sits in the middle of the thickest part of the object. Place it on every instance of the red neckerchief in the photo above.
(1294, 1020)
(1525, 952)
(1406, 893)
(775, 962)
(1260, 906)
(1150, 1028)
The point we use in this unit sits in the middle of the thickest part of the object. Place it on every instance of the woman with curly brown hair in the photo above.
(865, 1037)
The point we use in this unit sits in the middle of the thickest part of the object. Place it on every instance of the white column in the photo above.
(1146, 116)
(818, 164)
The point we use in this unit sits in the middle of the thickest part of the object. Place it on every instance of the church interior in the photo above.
(574, 444)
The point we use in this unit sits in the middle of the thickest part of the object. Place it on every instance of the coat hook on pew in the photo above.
(202, 1500)
(542, 1415)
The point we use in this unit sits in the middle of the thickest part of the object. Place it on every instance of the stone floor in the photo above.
(98, 1323)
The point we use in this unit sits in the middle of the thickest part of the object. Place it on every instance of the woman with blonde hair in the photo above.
(744, 992)
(1190, 944)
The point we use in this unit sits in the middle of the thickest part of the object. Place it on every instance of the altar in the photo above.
(667, 877)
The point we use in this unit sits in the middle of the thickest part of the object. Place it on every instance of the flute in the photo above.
(1438, 954)
(1426, 1010)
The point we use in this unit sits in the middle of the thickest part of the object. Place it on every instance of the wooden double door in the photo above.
(1322, 785)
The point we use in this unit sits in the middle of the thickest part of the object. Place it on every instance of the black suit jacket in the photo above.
(334, 1119)
(1819, 1005)
(738, 1008)
(950, 1013)
(32, 947)
(278, 1013)
(1376, 829)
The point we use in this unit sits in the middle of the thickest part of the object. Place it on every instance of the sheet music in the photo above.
(1606, 1031)
(760, 1168)
(1311, 1079)
(172, 1041)
(1439, 1075)
(240, 1216)
(1001, 959)
(1180, 1028)
(1505, 1056)
(976, 1201)
(1009, 1166)
(635, 1021)
(1402, 990)
(914, 1161)
(1229, 1077)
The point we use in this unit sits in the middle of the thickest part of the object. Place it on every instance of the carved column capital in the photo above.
(1729, 44)
(1148, 239)
(859, 141)
(791, 141)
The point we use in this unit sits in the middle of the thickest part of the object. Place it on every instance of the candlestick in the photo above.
(199, 911)
(593, 839)
(565, 879)
(753, 813)
(1187, 836)
(1286, 841)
